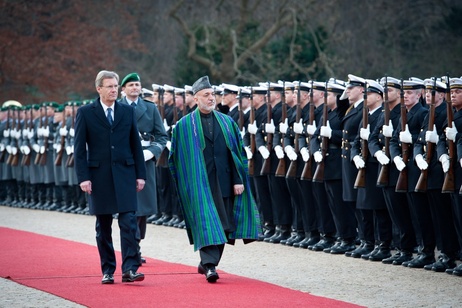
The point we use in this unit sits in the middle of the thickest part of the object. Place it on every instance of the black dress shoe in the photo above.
(107, 279)
(336, 244)
(284, 235)
(404, 257)
(444, 262)
(210, 272)
(421, 260)
(131, 276)
(457, 270)
(383, 253)
(152, 218)
(366, 256)
(322, 244)
(344, 246)
(364, 249)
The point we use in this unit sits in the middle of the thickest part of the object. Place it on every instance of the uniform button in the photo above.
(112, 147)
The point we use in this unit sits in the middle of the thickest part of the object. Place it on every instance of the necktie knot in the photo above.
(109, 115)
(133, 104)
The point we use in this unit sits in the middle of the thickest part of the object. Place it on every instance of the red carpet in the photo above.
(71, 270)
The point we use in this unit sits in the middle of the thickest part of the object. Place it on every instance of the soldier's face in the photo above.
(331, 100)
(456, 98)
(205, 100)
(132, 89)
(393, 94)
(411, 97)
(354, 93)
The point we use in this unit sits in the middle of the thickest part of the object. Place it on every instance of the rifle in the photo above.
(252, 136)
(361, 176)
(319, 173)
(43, 157)
(28, 125)
(448, 184)
(421, 185)
(241, 112)
(292, 171)
(10, 139)
(307, 173)
(163, 159)
(70, 157)
(266, 168)
(384, 173)
(2, 154)
(281, 168)
(59, 155)
(37, 157)
(401, 184)
(15, 158)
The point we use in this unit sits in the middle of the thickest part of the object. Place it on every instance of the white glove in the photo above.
(168, 145)
(359, 162)
(431, 135)
(387, 130)
(72, 132)
(6, 133)
(8, 149)
(317, 156)
(42, 149)
(26, 150)
(326, 131)
(298, 127)
(444, 160)
(270, 128)
(16, 134)
(451, 132)
(46, 132)
(30, 134)
(57, 146)
(14, 150)
(305, 154)
(166, 127)
(68, 150)
(460, 162)
(284, 126)
(147, 155)
(264, 152)
(399, 163)
(421, 163)
(39, 132)
(36, 147)
(382, 158)
(25, 132)
(405, 136)
(63, 131)
(248, 152)
(242, 132)
(311, 128)
(2, 147)
(365, 132)
(279, 152)
(252, 128)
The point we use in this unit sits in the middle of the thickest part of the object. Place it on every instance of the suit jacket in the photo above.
(152, 132)
(111, 157)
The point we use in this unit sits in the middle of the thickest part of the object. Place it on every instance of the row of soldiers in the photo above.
(354, 168)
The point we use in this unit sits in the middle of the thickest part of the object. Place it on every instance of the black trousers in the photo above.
(128, 242)
(343, 212)
(211, 255)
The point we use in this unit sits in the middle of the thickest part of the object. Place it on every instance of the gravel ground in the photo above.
(366, 283)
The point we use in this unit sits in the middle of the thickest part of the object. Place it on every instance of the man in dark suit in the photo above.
(153, 139)
(110, 169)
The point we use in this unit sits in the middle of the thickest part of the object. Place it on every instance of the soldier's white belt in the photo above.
(145, 143)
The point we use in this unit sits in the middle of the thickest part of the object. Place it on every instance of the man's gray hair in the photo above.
(105, 75)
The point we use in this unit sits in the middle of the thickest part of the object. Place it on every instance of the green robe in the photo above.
(187, 165)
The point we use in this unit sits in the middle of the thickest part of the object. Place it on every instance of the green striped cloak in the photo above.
(187, 165)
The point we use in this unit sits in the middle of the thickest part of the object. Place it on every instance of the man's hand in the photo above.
(147, 155)
(139, 184)
(405, 136)
(382, 158)
(264, 152)
(168, 145)
(421, 163)
(284, 126)
(317, 156)
(311, 128)
(248, 152)
(279, 152)
(270, 128)
(400, 165)
(359, 162)
(444, 160)
(326, 131)
(387, 130)
(305, 154)
(298, 127)
(451, 132)
(252, 128)
(431, 135)
(166, 127)
(85, 186)
(365, 132)
(238, 189)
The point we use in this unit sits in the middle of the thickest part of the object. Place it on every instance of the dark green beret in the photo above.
(36, 106)
(129, 78)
